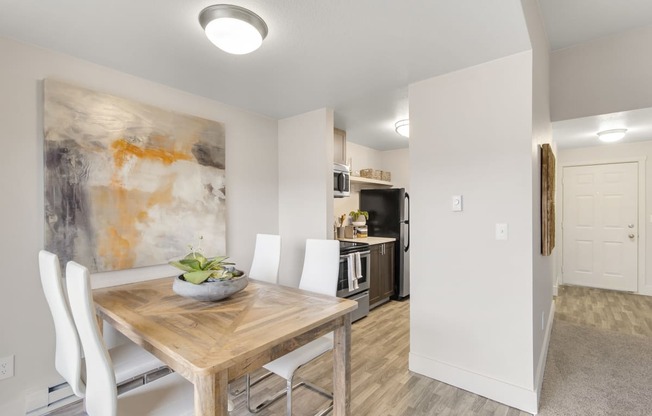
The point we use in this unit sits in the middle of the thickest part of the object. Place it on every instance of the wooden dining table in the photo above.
(214, 343)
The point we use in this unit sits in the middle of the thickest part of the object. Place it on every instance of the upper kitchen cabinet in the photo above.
(339, 149)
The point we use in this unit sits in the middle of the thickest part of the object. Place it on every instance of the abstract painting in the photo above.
(547, 200)
(128, 184)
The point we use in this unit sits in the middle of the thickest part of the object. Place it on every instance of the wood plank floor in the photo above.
(381, 382)
(606, 309)
(383, 386)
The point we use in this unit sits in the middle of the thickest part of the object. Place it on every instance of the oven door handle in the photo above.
(362, 253)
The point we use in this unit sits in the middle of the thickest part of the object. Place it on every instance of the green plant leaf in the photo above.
(359, 213)
(198, 276)
(217, 264)
(192, 263)
(182, 266)
(219, 259)
(195, 255)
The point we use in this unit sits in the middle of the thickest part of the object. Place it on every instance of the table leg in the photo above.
(100, 324)
(342, 368)
(211, 397)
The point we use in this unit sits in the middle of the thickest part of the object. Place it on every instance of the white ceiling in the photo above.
(570, 22)
(582, 132)
(317, 54)
(356, 57)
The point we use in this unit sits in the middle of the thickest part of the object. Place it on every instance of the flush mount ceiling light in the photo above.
(402, 127)
(614, 135)
(233, 29)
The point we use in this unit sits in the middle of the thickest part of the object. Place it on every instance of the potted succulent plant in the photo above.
(359, 218)
(207, 278)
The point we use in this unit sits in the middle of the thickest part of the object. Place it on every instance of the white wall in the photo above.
(603, 76)
(542, 266)
(395, 161)
(359, 157)
(26, 329)
(362, 157)
(305, 163)
(471, 297)
(613, 152)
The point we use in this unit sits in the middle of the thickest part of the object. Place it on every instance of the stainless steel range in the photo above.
(360, 294)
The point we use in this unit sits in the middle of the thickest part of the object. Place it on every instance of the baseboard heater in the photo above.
(55, 398)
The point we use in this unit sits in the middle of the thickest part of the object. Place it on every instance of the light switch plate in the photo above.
(501, 231)
(456, 203)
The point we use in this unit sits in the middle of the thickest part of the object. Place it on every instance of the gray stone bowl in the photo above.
(209, 291)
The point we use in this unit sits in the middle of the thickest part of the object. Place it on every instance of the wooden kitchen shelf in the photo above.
(360, 179)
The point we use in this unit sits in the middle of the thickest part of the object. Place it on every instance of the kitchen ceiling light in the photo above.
(402, 127)
(614, 135)
(233, 29)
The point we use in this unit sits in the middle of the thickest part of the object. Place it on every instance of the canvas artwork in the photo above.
(547, 200)
(128, 184)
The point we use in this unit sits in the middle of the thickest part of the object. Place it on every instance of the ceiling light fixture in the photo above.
(609, 136)
(402, 127)
(233, 29)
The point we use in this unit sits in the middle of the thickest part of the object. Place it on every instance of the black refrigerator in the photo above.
(389, 216)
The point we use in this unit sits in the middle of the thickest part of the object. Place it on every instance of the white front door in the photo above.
(600, 227)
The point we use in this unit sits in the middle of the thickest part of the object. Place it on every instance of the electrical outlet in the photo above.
(6, 367)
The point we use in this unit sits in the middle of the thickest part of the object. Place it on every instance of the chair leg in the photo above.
(289, 396)
(264, 404)
(248, 393)
(288, 393)
(236, 393)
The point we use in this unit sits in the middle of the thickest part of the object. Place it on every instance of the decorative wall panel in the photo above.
(547, 200)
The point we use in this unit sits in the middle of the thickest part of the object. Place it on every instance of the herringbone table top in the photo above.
(206, 337)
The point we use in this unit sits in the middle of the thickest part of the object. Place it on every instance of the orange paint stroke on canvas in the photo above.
(123, 150)
(129, 208)
(118, 242)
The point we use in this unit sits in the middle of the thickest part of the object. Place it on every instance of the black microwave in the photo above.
(341, 181)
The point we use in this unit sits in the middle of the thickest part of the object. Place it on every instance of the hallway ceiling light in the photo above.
(613, 135)
(403, 127)
(233, 29)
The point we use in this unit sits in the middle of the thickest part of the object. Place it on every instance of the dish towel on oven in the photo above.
(352, 272)
(357, 267)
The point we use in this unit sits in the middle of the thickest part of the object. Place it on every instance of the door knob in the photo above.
(631, 236)
(630, 225)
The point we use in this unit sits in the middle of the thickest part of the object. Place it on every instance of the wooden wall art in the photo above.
(547, 200)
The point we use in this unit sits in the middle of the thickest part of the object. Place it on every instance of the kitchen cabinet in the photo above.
(381, 273)
(339, 148)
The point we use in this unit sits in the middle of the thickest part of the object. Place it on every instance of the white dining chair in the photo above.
(267, 257)
(319, 275)
(264, 267)
(130, 360)
(170, 395)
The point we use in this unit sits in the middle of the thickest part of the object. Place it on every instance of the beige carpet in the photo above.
(596, 372)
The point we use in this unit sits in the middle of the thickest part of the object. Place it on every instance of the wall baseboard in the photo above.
(509, 394)
(541, 366)
(555, 290)
(49, 400)
(645, 291)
